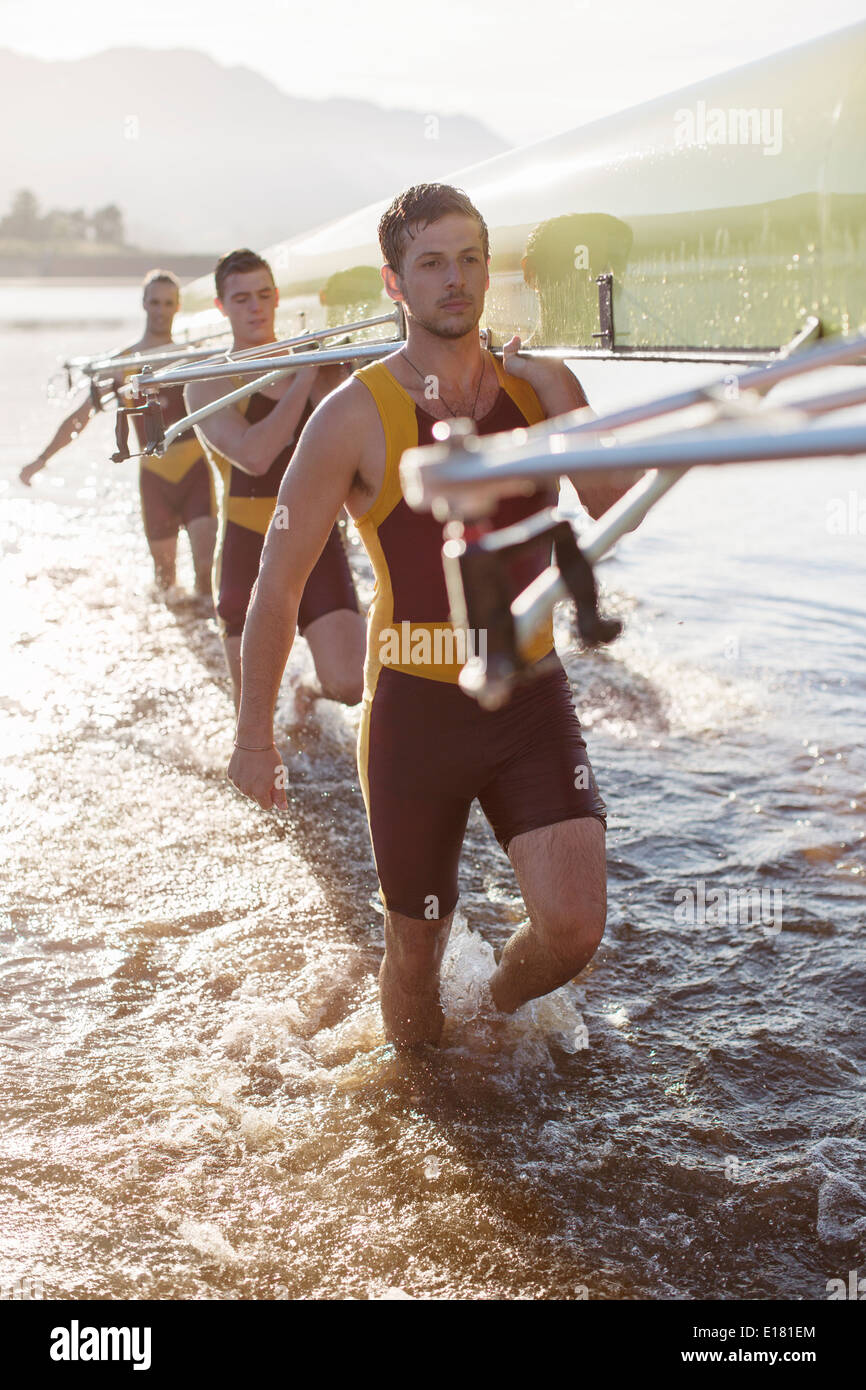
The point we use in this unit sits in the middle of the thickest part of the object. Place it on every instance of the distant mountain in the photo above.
(202, 157)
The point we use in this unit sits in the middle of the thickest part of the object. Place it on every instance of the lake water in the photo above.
(198, 1100)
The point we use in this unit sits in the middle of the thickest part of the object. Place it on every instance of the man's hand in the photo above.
(29, 469)
(557, 388)
(307, 375)
(252, 448)
(261, 776)
(517, 366)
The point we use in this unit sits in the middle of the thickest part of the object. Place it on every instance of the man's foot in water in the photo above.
(306, 697)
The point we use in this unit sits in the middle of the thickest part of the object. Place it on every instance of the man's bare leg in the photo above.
(232, 649)
(202, 538)
(561, 870)
(338, 643)
(164, 555)
(409, 979)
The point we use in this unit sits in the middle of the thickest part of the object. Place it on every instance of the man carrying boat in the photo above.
(176, 489)
(250, 444)
(426, 750)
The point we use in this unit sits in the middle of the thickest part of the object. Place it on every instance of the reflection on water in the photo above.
(199, 1099)
(83, 306)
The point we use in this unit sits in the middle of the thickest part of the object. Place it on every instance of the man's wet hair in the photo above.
(157, 277)
(238, 262)
(415, 209)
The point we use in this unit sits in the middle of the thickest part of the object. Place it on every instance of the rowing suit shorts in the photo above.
(426, 750)
(178, 487)
(167, 505)
(248, 505)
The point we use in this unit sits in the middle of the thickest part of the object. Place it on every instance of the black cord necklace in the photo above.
(440, 397)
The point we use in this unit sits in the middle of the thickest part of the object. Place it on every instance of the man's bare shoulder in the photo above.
(557, 387)
(554, 370)
(347, 412)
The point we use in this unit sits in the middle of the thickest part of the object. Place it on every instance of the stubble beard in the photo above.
(448, 331)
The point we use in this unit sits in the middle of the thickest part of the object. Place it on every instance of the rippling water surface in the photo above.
(199, 1102)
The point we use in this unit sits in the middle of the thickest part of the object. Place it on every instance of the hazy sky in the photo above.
(526, 67)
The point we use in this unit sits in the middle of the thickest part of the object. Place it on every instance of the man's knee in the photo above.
(571, 932)
(337, 643)
(344, 687)
(562, 873)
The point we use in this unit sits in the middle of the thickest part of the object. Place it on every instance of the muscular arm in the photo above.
(317, 482)
(251, 448)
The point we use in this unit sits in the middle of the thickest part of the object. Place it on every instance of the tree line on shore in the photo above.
(26, 222)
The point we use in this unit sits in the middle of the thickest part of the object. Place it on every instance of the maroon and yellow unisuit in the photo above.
(425, 749)
(176, 488)
(248, 504)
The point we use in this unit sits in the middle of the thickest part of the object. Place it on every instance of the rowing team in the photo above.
(291, 457)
